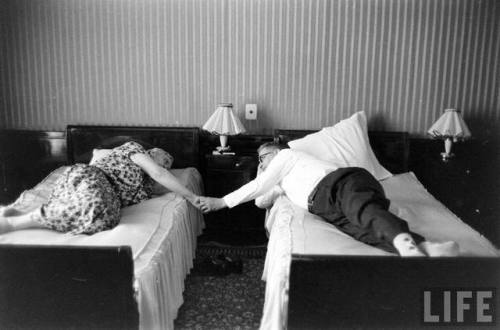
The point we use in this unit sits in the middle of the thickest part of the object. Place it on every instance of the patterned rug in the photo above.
(234, 301)
(214, 249)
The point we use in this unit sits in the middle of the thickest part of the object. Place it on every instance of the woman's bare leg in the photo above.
(18, 222)
(10, 212)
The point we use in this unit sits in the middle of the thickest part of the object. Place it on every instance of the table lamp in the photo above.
(450, 127)
(223, 122)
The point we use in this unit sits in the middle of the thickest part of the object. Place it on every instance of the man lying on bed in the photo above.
(87, 198)
(350, 198)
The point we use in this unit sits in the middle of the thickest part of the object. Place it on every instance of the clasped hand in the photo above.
(208, 204)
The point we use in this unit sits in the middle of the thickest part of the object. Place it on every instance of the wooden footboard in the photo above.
(67, 287)
(392, 292)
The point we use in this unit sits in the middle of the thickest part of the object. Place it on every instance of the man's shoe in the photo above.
(234, 265)
(211, 266)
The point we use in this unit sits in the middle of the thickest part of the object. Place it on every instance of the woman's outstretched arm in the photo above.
(164, 177)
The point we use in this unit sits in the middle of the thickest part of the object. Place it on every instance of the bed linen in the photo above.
(293, 230)
(162, 233)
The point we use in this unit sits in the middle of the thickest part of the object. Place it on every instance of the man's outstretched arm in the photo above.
(264, 182)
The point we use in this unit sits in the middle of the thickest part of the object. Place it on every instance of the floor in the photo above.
(233, 301)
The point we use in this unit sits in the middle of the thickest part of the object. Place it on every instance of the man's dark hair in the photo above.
(274, 145)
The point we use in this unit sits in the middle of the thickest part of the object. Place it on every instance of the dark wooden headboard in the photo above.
(392, 149)
(181, 142)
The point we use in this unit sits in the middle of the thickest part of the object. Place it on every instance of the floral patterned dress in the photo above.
(87, 198)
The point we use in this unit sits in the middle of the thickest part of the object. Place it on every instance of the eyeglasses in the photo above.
(263, 156)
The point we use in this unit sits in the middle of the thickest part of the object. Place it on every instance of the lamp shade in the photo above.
(224, 122)
(450, 125)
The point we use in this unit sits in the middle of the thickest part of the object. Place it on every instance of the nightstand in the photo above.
(243, 224)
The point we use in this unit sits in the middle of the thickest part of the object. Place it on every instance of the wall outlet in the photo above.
(250, 111)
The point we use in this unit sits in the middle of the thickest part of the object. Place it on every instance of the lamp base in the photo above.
(446, 156)
(223, 149)
(448, 143)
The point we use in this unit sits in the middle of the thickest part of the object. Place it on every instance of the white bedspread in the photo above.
(162, 233)
(294, 230)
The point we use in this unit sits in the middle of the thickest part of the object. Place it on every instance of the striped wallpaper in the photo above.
(305, 63)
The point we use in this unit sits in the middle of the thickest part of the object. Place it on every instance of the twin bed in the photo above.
(129, 277)
(316, 277)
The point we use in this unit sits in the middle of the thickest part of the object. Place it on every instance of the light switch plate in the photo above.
(251, 111)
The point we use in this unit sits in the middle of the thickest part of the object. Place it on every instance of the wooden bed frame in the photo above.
(359, 292)
(374, 292)
(181, 142)
(75, 287)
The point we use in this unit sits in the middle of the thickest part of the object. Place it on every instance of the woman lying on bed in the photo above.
(87, 198)
(348, 197)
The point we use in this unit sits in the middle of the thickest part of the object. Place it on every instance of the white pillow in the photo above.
(346, 143)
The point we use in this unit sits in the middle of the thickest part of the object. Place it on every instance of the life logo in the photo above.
(459, 306)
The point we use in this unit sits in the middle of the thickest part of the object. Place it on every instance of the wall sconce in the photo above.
(223, 122)
(450, 127)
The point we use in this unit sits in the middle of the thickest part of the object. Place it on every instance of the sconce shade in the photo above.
(450, 125)
(224, 122)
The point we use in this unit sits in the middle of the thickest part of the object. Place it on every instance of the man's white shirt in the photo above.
(296, 172)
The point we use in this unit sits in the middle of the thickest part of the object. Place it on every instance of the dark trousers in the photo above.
(354, 201)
